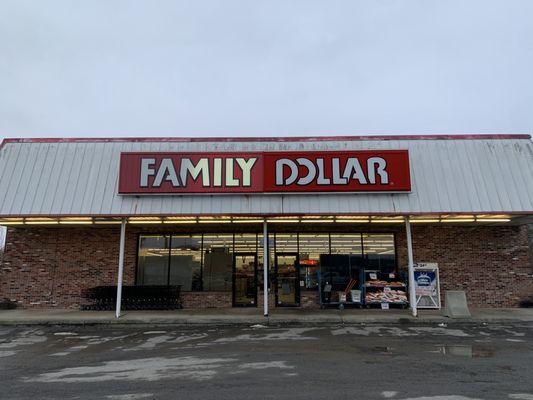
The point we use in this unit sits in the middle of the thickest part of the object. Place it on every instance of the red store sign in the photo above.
(265, 172)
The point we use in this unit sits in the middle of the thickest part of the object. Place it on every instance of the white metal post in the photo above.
(410, 267)
(265, 268)
(120, 266)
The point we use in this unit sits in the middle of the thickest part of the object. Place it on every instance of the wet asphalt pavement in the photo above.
(453, 362)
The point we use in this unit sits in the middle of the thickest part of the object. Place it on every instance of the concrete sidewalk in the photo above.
(253, 316)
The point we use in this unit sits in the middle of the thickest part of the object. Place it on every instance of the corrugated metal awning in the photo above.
(457, 175)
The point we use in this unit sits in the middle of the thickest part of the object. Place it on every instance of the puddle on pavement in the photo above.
(470, 351)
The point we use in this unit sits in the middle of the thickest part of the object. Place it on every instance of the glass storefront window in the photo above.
(218, 262)
(286, 242)
(312, 249)
(347, 253)
(245, 243)
(205, 261)
(346, 243)
(186, 262)
(153, 260)
(379, 251)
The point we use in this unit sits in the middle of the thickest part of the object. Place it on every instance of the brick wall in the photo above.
(490, 263)
(49, 267)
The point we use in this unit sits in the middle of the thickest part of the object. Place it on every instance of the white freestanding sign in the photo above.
(427, 286)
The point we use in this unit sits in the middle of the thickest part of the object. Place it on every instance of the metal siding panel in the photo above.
(16, 193)
(9, 159)
(523, 154)
(514, 190)
(99, 194)
(459, 189)
(478, 195)
(54, 182)
(71, 153)
(34, 179)
(484, 181)
(499, 200)
(89, 179)
(69, 196)
(48, 175)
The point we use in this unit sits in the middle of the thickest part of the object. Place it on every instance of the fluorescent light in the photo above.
(387, 221)
(493, 219)
(145, 221)
(6, 223)
(457, 220)
(317, 220)
(352, 220)
(247, 221)
(107, 222)
(283, 220)
(74, 222)
(42, 222)
(424, 221)
(214, 221)
(180, 221)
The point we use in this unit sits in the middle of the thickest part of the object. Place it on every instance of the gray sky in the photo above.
(276, 68)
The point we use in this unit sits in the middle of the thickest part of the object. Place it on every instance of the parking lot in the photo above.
(461, 361)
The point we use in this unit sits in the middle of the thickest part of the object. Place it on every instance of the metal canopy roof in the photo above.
(450, 174)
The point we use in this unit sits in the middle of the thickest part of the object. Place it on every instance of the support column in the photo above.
(120, 266)
(265, 268)
(410, 268)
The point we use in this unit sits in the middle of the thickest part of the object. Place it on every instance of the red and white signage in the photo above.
(265, 172)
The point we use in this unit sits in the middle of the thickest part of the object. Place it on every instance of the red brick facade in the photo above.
(49, 267)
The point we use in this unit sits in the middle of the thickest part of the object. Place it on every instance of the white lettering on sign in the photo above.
(146, 170)
(188, 169)
(246, 168)
(166, 172)
(288, 172)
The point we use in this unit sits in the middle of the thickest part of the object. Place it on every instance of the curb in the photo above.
(268, 322)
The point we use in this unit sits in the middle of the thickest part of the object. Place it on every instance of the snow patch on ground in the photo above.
(514, 333)
(451, 397)
(440, 331)
(521, 396)
(10, 346)
(60, 354)
(389, 394)
(131, 396)
(373, 330)
(146, 369)
(154, 369)
(265, 365)
(398, 332)
(153, 342)
(286, 334)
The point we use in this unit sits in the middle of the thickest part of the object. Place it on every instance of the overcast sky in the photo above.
(255, 68)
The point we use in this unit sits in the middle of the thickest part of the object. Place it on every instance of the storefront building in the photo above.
(337, 211)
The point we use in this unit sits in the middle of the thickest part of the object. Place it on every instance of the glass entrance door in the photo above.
(287, 280)
(244, 280)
